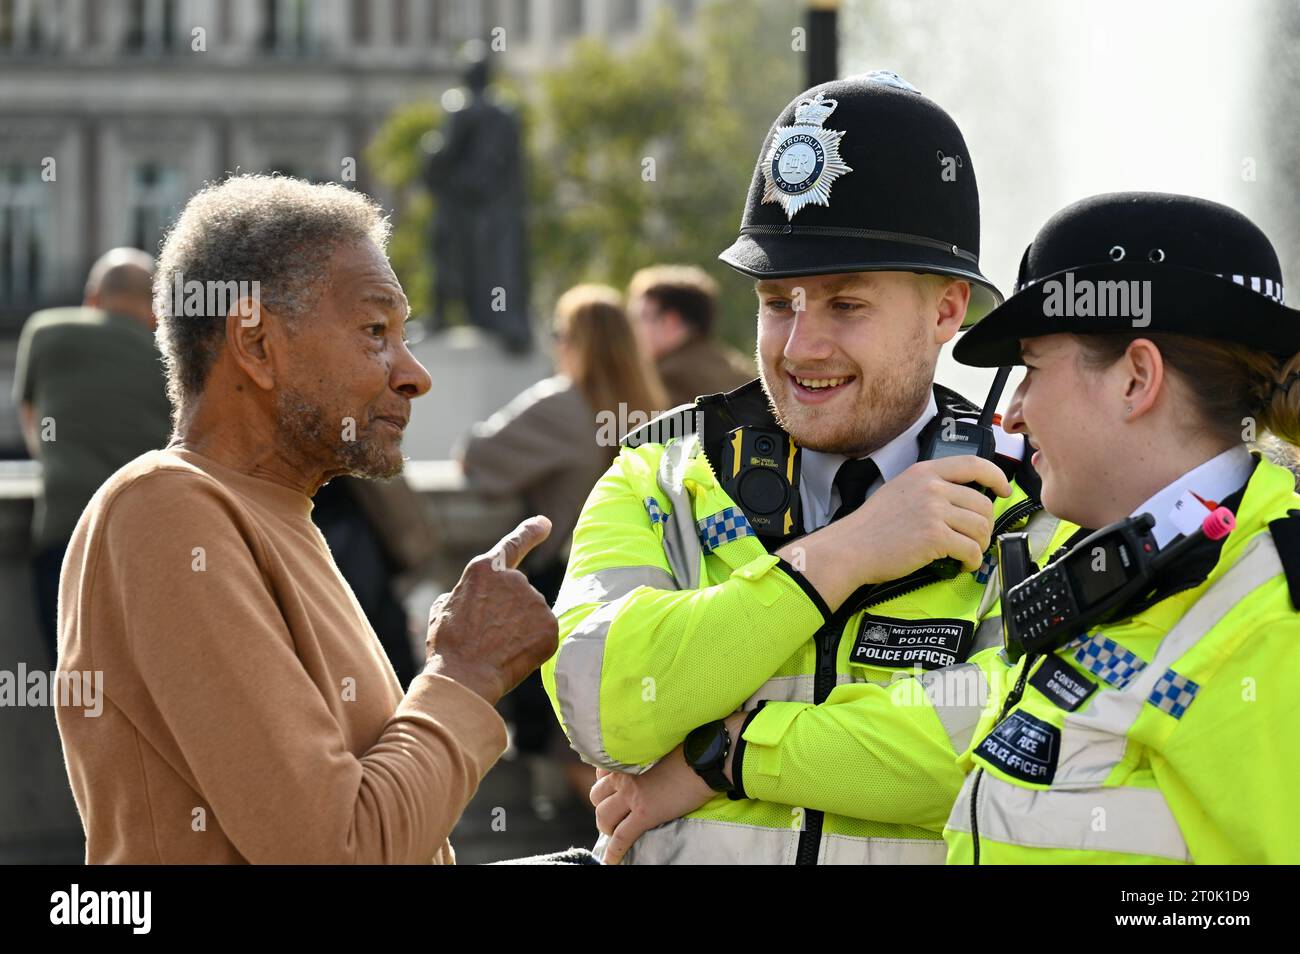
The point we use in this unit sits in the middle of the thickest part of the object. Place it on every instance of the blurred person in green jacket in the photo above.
(92, 395)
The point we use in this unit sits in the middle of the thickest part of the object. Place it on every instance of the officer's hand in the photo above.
(493, 628)
(627, 806)
(922, 515)
(926, 513)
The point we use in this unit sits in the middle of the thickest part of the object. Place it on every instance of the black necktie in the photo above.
(852, 480)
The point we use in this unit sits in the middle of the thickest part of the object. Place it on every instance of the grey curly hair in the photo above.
(276, 230)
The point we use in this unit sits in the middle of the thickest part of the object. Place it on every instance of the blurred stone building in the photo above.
(114, 111)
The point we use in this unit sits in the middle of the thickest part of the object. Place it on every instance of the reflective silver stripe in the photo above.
(607, 585)
(1127, 820)
(1041, 528)
(797, 689)
(577, 686)
(782, 689)
(958, 694)
(698, 841)
(992, 591)
(987, 634)
(681, 539)
(1093, 740)
(853, 850)
(580, 661)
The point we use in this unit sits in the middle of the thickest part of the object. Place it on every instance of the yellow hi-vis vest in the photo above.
(1171, 736)
(673, 614)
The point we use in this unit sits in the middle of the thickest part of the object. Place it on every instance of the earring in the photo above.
(1128, 410)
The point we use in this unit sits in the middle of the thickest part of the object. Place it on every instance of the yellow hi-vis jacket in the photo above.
(1170, 736)
(673, 614)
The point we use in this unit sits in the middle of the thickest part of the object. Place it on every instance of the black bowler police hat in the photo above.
(864, 175)
(1212, 274)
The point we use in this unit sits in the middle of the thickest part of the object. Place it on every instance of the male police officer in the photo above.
(696, 610)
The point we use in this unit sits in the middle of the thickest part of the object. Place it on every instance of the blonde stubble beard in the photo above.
(884, 408)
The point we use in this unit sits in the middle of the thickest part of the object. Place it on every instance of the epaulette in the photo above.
(678, 422)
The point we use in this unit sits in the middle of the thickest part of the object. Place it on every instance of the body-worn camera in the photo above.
(760, 471)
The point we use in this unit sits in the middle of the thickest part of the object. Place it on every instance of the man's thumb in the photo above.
(519, 542)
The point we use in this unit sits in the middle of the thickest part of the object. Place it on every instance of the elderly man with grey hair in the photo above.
(250, 714)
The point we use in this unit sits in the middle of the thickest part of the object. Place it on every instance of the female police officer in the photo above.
(1156, 343)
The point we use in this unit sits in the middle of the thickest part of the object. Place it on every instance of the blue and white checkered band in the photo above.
(723, 527)
(656, 512)
(1109, 660)
(1173, 694)
(1265, 286)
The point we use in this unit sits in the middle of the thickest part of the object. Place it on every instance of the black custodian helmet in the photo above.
(859, 175)
(1208, 271)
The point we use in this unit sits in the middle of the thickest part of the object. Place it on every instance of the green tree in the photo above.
(636, 156)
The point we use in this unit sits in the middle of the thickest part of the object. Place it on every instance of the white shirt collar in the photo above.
(817, 470)
(1175, 508)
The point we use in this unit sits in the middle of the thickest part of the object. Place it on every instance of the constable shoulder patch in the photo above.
(1023, 747)
(905, 643)
(804, 159)
(1062, 683)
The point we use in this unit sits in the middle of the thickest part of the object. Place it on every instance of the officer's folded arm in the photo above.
(639, 661)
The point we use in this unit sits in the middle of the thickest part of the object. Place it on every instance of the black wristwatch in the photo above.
(706, 751)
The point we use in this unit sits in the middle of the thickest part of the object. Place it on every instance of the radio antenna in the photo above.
(995, 395)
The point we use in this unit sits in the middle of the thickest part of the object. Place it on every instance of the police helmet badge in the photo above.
(804, 159)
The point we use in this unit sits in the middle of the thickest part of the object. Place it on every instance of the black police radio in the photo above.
(1092, 583)
(951, 437)
(760, 471)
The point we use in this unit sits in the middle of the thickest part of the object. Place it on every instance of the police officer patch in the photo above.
(804, 159)
(1023, 747)
(905, 643)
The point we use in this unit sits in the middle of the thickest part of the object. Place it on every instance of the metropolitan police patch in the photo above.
(1023, 747)
(804, 159)
(905, 643)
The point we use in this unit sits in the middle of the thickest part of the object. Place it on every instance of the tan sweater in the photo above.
(249, 712)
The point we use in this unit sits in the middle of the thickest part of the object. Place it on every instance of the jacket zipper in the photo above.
(1012, 699)
(1013, 514)
(823, 683)
(828, 644)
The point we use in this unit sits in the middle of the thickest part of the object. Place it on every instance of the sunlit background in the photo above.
(1065, 99)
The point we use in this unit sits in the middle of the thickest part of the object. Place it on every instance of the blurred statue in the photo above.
(474, 168)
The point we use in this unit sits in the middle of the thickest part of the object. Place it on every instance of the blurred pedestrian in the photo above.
(673, 308)
(90, 390)
(548, 446)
